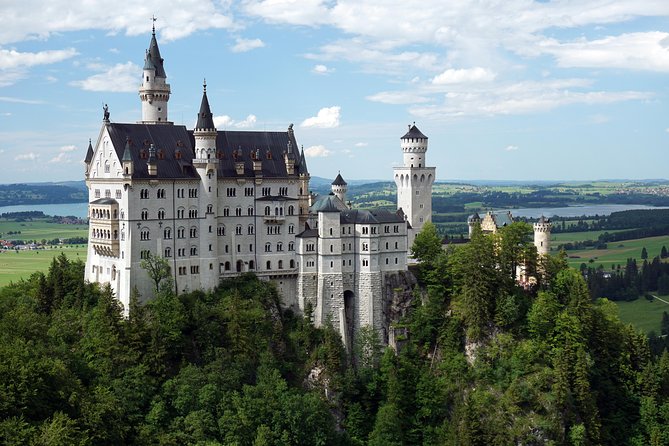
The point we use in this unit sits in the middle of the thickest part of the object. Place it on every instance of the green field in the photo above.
(644, 315)
(618, 252)
(20, 265)
(570, 237)
(39, 229)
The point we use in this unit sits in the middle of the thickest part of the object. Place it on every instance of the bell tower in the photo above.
(154, 91)
(414, 182)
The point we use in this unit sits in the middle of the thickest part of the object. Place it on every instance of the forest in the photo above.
(483, 361)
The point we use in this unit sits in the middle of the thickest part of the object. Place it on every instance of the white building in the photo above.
(219, 203)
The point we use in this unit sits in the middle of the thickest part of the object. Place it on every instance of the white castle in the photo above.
(219, 203)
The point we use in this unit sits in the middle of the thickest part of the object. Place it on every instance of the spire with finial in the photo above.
(205, 118)
(153, 19)
(89, 152)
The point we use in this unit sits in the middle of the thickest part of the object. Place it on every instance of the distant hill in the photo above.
(43, 193)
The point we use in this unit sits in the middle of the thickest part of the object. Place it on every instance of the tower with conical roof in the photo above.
(340, 187)
(154, 91)
(542, 235)
(414, 181)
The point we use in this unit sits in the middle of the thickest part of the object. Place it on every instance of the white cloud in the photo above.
(19, 100)
(397, 97)
(30, 156)
(465, 75)
(244, 45)
(30, 19)
(11, 59)
(304, 12)
(119, 78)
(61, 158)
(69, 148)
(599, 119)
(318, 151)
(633, 51)
(667, 130)
(224, 121)
(511, 148)
(321, 69)
(326, 118)
(361, 144)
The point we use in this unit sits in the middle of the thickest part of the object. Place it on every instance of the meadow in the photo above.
(15, 266)
(40, 229)
(644, 315)
(618, 252)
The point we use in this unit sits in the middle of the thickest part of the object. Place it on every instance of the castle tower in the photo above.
(472, 221)
(339, 188)
(154, 91)
(414, 182)
(542, 236)
(304, 196)
(206, 165)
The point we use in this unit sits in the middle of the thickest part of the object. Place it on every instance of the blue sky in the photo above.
(514, 89)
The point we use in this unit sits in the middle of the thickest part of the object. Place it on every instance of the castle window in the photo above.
(268, 247)
(330, 231)
(231, 192)
(266, 191)
(267, 210)
(220, 230)
(269, 265)
(210, 209)
(145, 214)
(365, 263)
(227, 266)
(249, 211)
(395, 260)
(386, 245)
(182, 271)
(279, 246)
(195, 269)
(291, 210)
(331, 266)
(283, 191)
(292, 263)
(250, 247)
(365, 247)
(167, 233)
(193, 232)
(395, 245)
(144, 194)
(280, 264)
(310, 247)
(161, 214)
(331, 248)
(211, 247)
(386, 261)
(417, 192)
(168, 252)
(181, 232)
(226, 211)
(291, 229)
(365, 230)
(144, 234)
(106, 166)
(181, 252)
(248, 191)
(118, 194)
(252, 264)
(238, 230)
(239, 248)
(250, 230)
(193, 251)
(374, 230)
(144, 254)
(238, 211)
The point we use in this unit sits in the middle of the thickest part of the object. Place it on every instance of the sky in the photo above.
(504, 89)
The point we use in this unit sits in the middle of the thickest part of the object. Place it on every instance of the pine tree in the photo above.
(644, 253)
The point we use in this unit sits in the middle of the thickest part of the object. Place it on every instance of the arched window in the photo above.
(291, 209)
(267, 210)
(280, 264)
(252, 264)
(220, 230)
(292, 263)
(269, 265)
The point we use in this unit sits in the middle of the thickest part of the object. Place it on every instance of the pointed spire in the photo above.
(302, 167)
(153, 60)
(339, 181)
(127, 155)
(89, 152)
(205, 118)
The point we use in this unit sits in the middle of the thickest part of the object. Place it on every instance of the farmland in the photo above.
(16, 265)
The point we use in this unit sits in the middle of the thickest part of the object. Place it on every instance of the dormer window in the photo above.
(177, 154)
(269, 155)
(142, 154)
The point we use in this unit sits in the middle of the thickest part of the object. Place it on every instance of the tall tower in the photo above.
(339, 188)
(542, 236)
(414, 182)
(154, 91)
(205, 163)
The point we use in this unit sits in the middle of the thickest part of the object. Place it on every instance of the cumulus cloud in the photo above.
(321, 69)
(397, 97)
(511, 148)
(244, 45)
(225, 121)
(30, 156)
(361, 144)
(633, 51)
(464, 75)
(119, 78)
(318, 151)
(174, 22)
(69, 148)
(14, 59)
(326, 118)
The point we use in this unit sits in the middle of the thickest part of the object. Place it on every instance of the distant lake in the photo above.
(81, 210)
(75, 209)
(577, 211)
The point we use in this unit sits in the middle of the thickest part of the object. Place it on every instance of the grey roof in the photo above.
(89, 153)
(205, 118)
(474, 217)
(328, 203)
(308, 233)
(543, 219)
(502, 218)
(414, 133)
(170, 140)
(153, 60)
(339, 181)
(104, 201)
(374, 216)
(135, 139)
(275, 198)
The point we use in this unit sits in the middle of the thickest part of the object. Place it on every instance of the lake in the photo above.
(81, 210)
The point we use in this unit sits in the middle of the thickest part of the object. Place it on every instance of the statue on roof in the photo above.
(105, 113)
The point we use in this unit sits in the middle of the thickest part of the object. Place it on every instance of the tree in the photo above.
(663, 253)
(159, 271)
(644, 253)
(427, 245)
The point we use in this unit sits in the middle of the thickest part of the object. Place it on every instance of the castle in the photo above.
(219, 203)
(493, 221)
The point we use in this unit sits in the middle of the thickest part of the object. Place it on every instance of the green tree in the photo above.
(663, 252)
(644, 253)
(427, 244)
(159, 271)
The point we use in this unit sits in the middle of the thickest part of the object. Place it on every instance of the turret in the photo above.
(414, 146)
(542, 235)
(472, 221)
(152, 162)
(89, 157)
(205, 132)
(128, 167)
(340, 187)
(154, 91)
